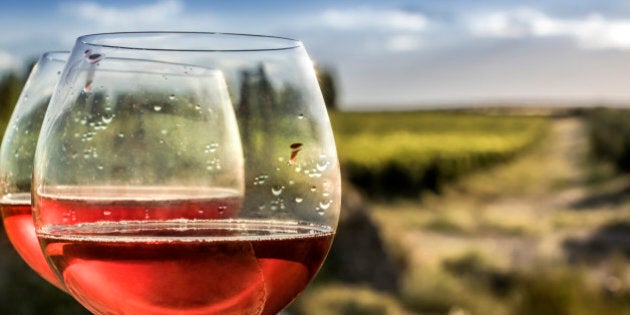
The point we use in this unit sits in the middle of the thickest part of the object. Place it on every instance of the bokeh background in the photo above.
(485, 145)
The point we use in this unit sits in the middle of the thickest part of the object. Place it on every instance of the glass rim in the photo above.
(279, 42)
(56, 55)
(190, 69)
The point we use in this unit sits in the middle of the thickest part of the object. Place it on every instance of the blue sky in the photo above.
(387, 54)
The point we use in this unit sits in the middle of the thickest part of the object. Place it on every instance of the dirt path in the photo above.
(529, 220)
(517, 213)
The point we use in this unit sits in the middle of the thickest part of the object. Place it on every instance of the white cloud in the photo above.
(592, 31)
(147, 15)
(371, 19)
(400, 43)
(7, 61)
(504, 24)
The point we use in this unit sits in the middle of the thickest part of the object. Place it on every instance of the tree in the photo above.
(326, 78)
(10, 88)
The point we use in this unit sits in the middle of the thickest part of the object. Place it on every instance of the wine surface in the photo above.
(18, 224)
(83, 204)
(180, 265)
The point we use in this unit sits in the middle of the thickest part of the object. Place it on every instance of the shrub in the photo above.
(609, 136)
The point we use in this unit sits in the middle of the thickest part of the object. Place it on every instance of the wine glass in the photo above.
(189, 173)
(16, 161)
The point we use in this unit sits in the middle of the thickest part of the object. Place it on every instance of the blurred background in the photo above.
(485, 145)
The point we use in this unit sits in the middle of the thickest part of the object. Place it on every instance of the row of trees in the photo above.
(10, 87)
(11, 84)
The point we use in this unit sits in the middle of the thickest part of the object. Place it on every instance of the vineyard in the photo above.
(401, 154)
(528, 214)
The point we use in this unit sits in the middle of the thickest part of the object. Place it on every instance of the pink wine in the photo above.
(18, 224)
(83, 204)
(179, 264)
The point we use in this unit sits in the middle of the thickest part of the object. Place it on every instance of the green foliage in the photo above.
(475, 284)
(326, 79)
(609, 136)
(394, 154)
(559, 291)
(23, 292)
(10, 88)
(347, 300)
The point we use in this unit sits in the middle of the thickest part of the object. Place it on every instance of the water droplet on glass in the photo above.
(26, 97)
(107, 118)
(157, 108)
(222, 209)
(260, 179)
(322, 163)
(313, 188)
(171, 97)
(299, 199)
(211, 148)
(262, 207)
(106, 213)
(301, 116)
(325, 204)
(276, 190)
(320, 211)
(197, 107)
(58, 72)
(100, 167)
(164, 131)
(121, 135)
(88, 136)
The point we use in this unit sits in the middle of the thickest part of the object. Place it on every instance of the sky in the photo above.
(385, 54)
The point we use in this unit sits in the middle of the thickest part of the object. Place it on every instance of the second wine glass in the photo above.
(16, 161)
